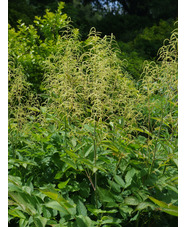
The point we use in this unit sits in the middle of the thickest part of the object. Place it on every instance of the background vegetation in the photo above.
(92, 127)
(140, 27)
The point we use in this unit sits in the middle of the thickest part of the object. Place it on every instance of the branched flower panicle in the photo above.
(22, 103)
(86, 81)
(160, 96)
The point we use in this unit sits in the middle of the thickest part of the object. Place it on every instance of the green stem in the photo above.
(137, 221)
(65, 132)
(164, 169)
(95, 157)
(156, 144)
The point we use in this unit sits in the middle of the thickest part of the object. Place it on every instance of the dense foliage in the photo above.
(140, 26)
(88, 145)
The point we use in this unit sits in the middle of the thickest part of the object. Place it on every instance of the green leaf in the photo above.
(144, 130)
(116, 187)
(89, 150)
(131, 200)
(110, 220)
(56, 206)
(81, 208)
(56, 196)
(167, 208)
(73, 155)
(14, 188)
(105, 195)
(175, 160)
(58, 225)
(129, 176)
(161, 121)
(22, 200)
(69, 162)
(125, 209)
(51, 193)
(11, 202)
(59, 175)
(40, 221)
(23, 222)
(27, 189)
(73, 141)
(33, 109)
(144, 205)
(94, 169)
(99, 211)
(172, 188)
(63, 184)
(15, 180)
(135, 217)
(119, 180)
(171, 210)
(47, 212)
(16, 213)
(83, 221)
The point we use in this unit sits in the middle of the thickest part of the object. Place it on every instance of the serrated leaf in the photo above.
(40, 221)
(27, 189)
(57, 197)
(81, 208)
(131, 200)
(119, 180)
(15, 180)
(56, 206)
(116, 187)
(51, 193)
(23, 222)
(126, 209)
(128, 177)
(47, 212)
(21, 199)
(83, 221)
(105, 195)
(14, 188)
(144, 205)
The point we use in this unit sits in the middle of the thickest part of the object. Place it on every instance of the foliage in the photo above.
(31, 45)
(150, 40)
(99, 150)
(125, 19)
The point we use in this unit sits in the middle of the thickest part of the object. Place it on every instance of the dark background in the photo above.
(140, 26)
